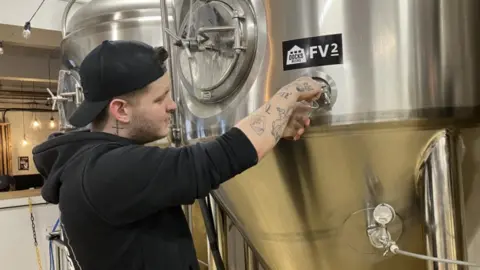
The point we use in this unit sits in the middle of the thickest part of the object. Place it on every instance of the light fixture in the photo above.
(1, 47)
(35, 123)
(27, 30)
(24, 141)
(52, 123)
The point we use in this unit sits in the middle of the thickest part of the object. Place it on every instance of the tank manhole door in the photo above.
(218, 45)
(68, 97)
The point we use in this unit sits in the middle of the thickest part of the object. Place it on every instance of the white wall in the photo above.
(17, 251)
(34, 137)
(48, 17)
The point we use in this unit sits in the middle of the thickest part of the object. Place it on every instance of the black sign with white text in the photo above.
(313, 52)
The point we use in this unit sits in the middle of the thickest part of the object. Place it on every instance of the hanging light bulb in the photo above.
(36, 124)
(27, 30)
(24, 141)
(1, 47)
(52, 123)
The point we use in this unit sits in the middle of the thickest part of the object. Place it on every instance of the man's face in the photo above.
(151, 113)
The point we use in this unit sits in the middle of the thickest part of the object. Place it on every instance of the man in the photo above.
(120, 201)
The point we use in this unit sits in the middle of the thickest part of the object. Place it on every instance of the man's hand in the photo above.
(283, 115)
(306, 90)
(298, 122)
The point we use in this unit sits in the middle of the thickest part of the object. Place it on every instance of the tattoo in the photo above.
(304, 87)
(257, 122)
(267, 108)
(279, 124)
(117, 128)
(284, 94)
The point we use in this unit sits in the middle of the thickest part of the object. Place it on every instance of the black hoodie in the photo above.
(120, 202)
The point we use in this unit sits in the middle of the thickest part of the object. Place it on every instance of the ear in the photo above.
(120, 110)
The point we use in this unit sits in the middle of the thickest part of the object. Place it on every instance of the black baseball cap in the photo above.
(116, 68)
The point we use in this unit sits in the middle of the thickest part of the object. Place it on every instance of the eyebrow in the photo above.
(162, 96)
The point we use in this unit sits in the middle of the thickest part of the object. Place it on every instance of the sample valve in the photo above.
(379, 235)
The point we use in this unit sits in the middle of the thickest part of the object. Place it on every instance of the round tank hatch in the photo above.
(218, 43)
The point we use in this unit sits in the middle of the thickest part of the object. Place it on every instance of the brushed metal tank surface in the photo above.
(101, 20)
(401, 60)
(304, 205)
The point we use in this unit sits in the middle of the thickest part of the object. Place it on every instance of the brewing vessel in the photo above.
(391, 154)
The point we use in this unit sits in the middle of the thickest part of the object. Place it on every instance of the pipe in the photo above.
(440, 191)
(251, 262)
(4, 111)
(65, 16)
(175, 129)
(222, 232)
(372, 184)
(24, 94)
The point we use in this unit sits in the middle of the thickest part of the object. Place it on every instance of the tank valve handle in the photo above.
(326, 91)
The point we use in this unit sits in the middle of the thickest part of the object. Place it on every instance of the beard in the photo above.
(144, 130)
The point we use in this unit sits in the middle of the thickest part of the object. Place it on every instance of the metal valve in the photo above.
(196, 44)
(56, 98)
(326, 91)
(379, 235)
(383, 214)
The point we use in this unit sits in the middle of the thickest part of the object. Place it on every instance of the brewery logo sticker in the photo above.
(313, 52)
(296, 55)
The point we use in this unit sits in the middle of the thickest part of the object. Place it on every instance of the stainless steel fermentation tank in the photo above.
(392, 151)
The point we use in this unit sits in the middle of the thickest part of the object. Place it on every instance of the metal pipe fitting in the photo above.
(65, 16)
(175, 131)
(440, 192)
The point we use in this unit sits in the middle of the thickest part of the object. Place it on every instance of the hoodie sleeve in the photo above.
(128, 183)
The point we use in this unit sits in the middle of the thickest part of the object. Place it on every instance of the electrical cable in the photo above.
(33, 16)
(396, 250)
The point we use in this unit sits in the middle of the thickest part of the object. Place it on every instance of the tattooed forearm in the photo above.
(267, 108)
(278, 125)
(284, 94)
(257, 123)
(304, 87)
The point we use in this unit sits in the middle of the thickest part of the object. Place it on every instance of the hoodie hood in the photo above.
(52, 157)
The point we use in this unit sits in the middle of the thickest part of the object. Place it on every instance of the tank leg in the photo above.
(440, 192)
(222, 232)
(251, 262)
(220, 223)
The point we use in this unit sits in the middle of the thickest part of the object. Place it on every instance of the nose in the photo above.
(172, 107)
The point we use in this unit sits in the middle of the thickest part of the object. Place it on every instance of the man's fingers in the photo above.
(310, 95)
(307, 121)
